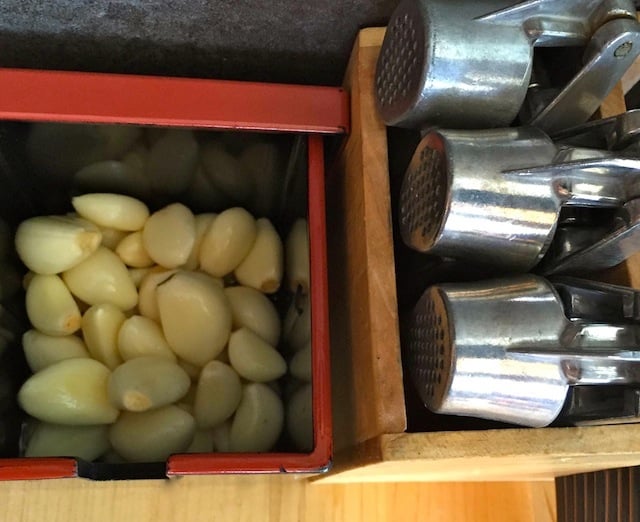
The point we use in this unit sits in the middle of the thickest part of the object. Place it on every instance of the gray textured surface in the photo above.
(281, 40)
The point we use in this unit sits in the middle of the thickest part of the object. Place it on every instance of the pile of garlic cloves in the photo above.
(155, 333)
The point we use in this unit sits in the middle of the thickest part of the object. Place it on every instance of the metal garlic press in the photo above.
(511, 349)
(506, 197)
(468, 64)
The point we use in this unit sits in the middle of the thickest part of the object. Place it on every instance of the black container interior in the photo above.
(28, 190)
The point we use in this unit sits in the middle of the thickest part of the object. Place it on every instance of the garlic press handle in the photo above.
(614, 133)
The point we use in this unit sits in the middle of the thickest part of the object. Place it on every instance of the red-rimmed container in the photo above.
(70, 97)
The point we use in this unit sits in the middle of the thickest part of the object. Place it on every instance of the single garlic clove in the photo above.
(300, 418)
(173, 159)
(56, 440)
(202, 224)
(202, 442)
(147, 301)
(253, 358)
(192, 370)
(111, 176)
(147, 383)
(258, 421)
(152, 436)
(300, 365)
(138, 274)
(52, 244)
(169, 235)
(140, 336)
(217, 396)
(132, 251)
(297, 254)
(227, 242)
(300, 333)
(226, 173)
(137, 159)
(195, 316)
(102, 278)
(100, 327)
(262, 162)
(112, 237)
(42, 350)
(220, 436)
(253, 310)
(262, 268)
(203, 195)
(51, 307)
(72, 392)
(112, 210)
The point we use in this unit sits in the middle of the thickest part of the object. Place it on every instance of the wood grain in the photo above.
(367, 372)
(368, 400)
(272, 499)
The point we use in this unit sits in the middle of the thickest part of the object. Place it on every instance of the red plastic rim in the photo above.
(31, 95)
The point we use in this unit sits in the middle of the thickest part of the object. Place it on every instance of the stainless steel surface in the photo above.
(467, 64)
(493, 197)
(505, 350)
(602, 405)
(455, 201)
(611, 51)
(618, 244)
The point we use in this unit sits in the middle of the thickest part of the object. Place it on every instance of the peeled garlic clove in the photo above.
(50, 306)
(140, 336)
(56, 440)
(262, 268)
(202, 442)
(136, 160)
(147, 383)
(138, 274)
(195, 317)
(118, 138)
(42, 350)
(226, 173)
(300, 365)
(253, 310)
(203, 195)
(169, 235)
(300, 418)
(147, 301)
(102, 278)
(253, 358)
(152, 436)
(112, 176)
(262, 162)
(132, 252)
(297, 254)
(51, 244)
(100, 327)
(220, 436)
(202, 224)
(300, 333)
(192, 370)
(258, 421)
(112, 210)
(111, 237)
(173, 159)
(217, 395)
(71, 392)
(227, 242)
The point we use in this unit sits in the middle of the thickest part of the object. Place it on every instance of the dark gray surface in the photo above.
(282, 40)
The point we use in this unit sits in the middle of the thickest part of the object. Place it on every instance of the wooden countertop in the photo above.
(271, 499)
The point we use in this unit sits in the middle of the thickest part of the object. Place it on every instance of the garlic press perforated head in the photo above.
(468, 64)
(507, 350)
